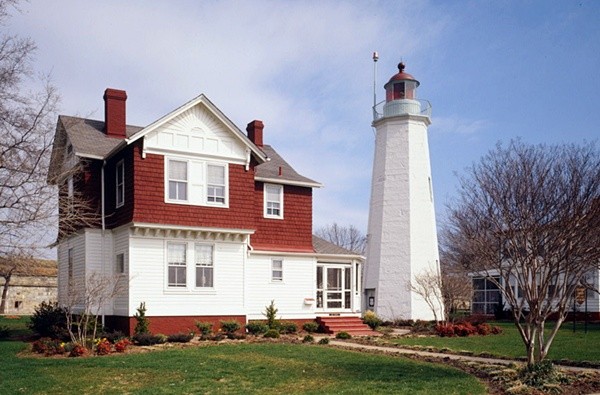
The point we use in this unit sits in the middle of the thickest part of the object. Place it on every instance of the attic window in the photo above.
(273, 201)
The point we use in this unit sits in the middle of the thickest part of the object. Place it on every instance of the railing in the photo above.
(401, 107)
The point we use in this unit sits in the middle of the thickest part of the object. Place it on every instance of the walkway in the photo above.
(397, 350)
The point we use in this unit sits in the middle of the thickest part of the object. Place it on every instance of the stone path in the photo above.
(397, 350)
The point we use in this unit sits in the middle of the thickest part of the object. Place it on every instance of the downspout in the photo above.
(103, 227)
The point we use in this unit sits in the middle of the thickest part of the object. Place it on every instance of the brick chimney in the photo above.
(255, 132)
(114, 112)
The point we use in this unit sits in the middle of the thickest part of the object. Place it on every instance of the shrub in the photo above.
(48, 346)
(142, 325)
(308, 339)
(230, 327)
(49, 320)
(68, 347)
(540, 374)
(324, 340)
(180, 337)
(310, 327)
(78, 350)
(148, 339)
(420, 326)
(205, 329)
(483, 329)
(343, 335)
(4, 332)
(112, 336)
(496, 330)
(271, 314)
(103, 346)
(371, 319)
(464, 329)
(444, 330)
(256, 328)
(287, 327)
(272, 334)
(122, 345)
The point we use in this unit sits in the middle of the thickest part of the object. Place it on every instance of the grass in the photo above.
(577, 346)
(227, 368)
(17, 325)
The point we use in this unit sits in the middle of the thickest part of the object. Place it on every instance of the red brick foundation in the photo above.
(170, 325)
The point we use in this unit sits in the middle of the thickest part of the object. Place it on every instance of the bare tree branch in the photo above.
(347, 237)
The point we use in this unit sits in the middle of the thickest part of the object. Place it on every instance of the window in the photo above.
(120, 264)
(486, 295)
(70, 265)
(215, 192)
(178, 180)
(273, 201)
(204, 266)
(120, 183)
(70, 188)
(277, 270)
(176, 262)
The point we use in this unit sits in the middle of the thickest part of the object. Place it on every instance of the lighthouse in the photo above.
(402, 237)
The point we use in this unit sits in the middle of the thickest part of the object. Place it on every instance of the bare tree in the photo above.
(527, 218)
(347, 237)
(428, 284)
(86, 297)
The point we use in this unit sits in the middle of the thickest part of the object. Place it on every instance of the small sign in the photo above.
(580, 295)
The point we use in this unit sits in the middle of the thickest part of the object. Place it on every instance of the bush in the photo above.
(371, 319)
(205, 329)
(308, 339)
(103, 346)
(180, 337)
(464, 329)
(49, 320)
(256, 328)
(112, 336)
(122, 345)
(148, 339)
(421, 326)
(496, 330)
(230, 327)
(142, 326)
(484, 329)
(272, 334)
(311, 327)
(343, 335)
(78, 350)
(271, 314)
(444, 330)
(324, 340)
(4, 332)
(540, 374)
(48, 346)
(287, 327)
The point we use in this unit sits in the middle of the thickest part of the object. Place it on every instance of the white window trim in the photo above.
(281, 188)
(276, 280)
(70, 187)
(121, 195)
(197, 288)
(202, 199)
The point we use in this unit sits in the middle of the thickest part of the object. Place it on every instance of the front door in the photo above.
(334, 287)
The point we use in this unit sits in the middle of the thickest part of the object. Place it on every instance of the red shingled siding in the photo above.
(245, 210)
(294, 232)
(122, 215)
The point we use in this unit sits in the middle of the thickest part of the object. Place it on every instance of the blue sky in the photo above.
(493, 70)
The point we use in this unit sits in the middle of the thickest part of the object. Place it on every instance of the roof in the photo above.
(277, 170)
(36, 267)
(325, 247)
(88, 138)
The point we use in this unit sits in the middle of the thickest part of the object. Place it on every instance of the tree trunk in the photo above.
(4, 295)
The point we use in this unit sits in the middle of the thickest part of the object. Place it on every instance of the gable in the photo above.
(196, 131)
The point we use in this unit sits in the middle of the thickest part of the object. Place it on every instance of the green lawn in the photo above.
(16, 325)
(227, 368)
(577, 346)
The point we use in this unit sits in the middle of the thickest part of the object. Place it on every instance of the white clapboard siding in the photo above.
(121, 299)
(148, 280)
(298, 283)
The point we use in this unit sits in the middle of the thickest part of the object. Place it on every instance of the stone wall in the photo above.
(25, 293)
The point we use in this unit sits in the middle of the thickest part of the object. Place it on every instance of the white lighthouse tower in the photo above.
(402, 236)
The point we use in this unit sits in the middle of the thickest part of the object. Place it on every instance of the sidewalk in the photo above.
(397, 350)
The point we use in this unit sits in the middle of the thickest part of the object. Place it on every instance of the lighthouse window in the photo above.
(399, 91)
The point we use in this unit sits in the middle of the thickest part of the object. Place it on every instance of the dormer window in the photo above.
(196, 182)
(216, 184)
(273, 201)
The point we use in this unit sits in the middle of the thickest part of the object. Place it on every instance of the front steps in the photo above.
(353, 325)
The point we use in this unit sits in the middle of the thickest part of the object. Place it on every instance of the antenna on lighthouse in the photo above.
(375, 59)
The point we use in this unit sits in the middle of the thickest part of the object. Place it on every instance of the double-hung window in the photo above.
(215, 191)
(273, 201)
(120, 183)
(120, 263)
(277, 270)
(70, 266)
(178, 180)
(176, 262)
(204, 266)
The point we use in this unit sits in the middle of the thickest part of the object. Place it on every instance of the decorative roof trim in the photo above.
(211, 107)
(318, 256)
(289, 182)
